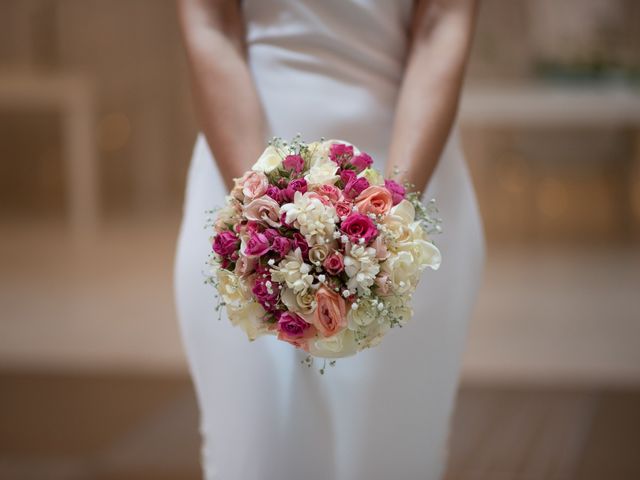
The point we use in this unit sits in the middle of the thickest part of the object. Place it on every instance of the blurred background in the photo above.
(96, 128)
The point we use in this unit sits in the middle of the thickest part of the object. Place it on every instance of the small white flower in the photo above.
(314, 219)
(322, 278)
(294, 272)
(346, 293)
(361, 267)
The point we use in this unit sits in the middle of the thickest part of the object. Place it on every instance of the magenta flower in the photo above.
(340, 153)
(291, 325)
(397, 191)
(298, 241)
(362, 161)
(357, 226)
(257, 245)
(266, 292)
(281, 246)
(225, 243)
(275, 193)
(297, 185)
(294, 163)
(353, 186)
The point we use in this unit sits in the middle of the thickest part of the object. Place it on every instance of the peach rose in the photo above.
(330, 315)
(263, 209)
(254, 184)
(374, 199)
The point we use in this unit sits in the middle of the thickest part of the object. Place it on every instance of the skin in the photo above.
(441, 35)
(227, 100)
(225, 96)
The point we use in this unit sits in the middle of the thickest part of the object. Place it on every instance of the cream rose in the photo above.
(373, 176)
(249, 318)
(322, 172)
(318, 253)
(340, 345)
(270, 159)
(304, 303)
(233, 290)
(402, 270)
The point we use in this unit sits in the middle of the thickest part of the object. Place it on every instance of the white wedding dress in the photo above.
(330, 68)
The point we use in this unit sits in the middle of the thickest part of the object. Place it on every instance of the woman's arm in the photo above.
(428, 100)
(227, 102)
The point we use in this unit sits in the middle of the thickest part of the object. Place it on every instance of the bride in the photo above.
(385, 75)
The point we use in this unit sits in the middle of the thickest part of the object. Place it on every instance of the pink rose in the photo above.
(375, 199)
(271, 233)
(254, 184)
(353, 185)
(281, 246)
(343, 209)
(298, 241)
(340, 153)
(330, 316)
(334, 263)
(257, 245)
(294, 163)
(296, 185)
(266, 296)
(245, 266)
(263, 209)
(330, 192)
(275, 193)
(357, 226)
(397, 191)
(292, 326)
(225, 243)
(361, 161)
(251, 227)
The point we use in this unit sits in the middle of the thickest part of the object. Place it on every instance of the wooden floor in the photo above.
(78, 427)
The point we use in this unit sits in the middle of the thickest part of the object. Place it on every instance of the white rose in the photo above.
(363, 315)
(232, 289)
(270, 159)
(249, 318)
(341, 344)
(402, 270)
(425, 253)
(373, 176)
(405, 211)
(322, 172)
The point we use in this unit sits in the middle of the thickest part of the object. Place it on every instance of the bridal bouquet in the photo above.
(315, 247)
